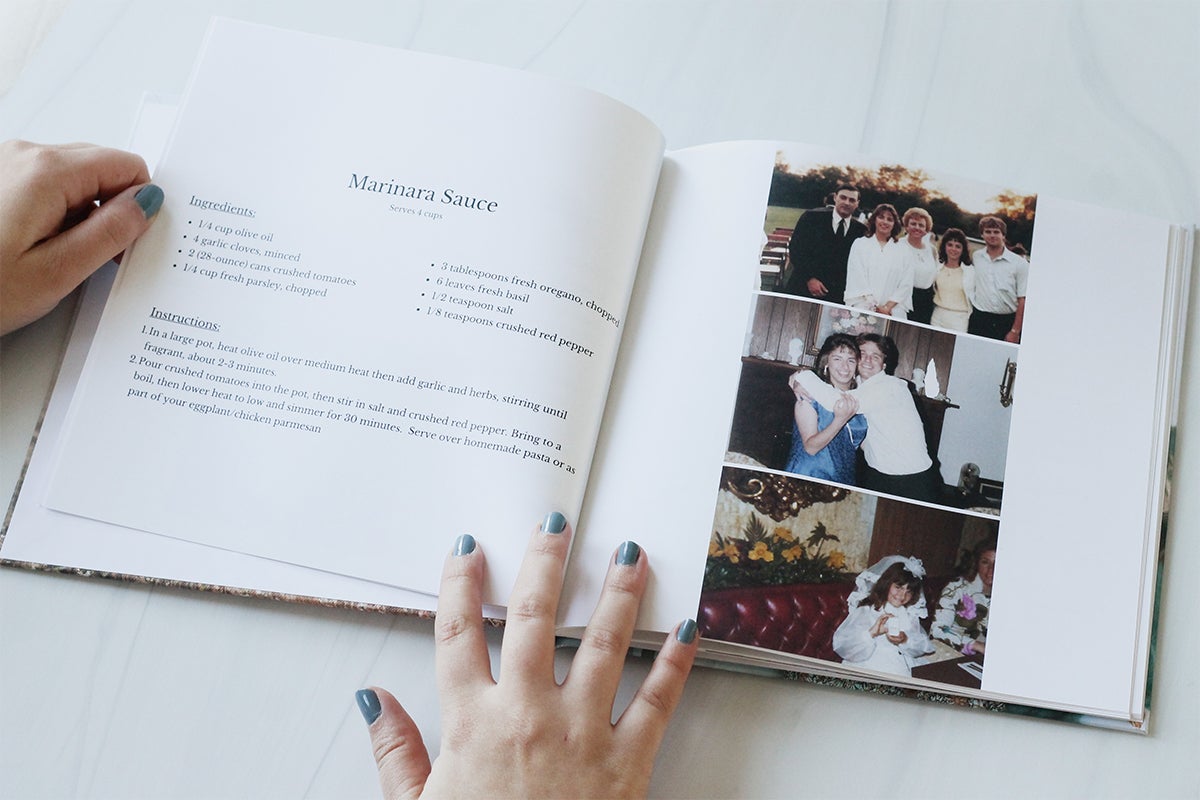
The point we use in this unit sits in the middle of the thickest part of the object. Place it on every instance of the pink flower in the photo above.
(968, 607)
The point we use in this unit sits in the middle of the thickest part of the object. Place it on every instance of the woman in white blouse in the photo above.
(877, 277)
(920, 261)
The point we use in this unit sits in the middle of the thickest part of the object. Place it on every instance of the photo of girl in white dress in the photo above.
(883, 630)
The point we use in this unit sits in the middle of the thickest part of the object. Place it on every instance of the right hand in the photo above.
(845, 408)
(526, 735)
(816, 288)
(880, 626)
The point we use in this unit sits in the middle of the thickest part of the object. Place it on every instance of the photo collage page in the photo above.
(858, 516)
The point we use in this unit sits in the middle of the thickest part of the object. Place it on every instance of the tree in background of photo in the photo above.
(904, 188)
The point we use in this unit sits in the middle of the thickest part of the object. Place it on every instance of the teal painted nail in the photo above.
(464, 545)
(368, 704)
(554, 523)
(627, 554)
(150, 199)
(687, 631)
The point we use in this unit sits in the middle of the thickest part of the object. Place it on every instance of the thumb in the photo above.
(396, 741)
(80, 250)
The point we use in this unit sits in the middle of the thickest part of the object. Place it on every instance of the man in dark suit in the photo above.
(820, 245)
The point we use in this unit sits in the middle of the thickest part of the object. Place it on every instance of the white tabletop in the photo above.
(113, 690)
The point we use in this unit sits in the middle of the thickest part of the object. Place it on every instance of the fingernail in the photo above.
(687, 631)
(627, 554)
(368, 704)
(464, 545)
(150, 199)
(554, 523)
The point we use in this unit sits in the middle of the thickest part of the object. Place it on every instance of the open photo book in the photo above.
(393, 297)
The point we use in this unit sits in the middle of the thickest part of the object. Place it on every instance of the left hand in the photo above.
(53, 234)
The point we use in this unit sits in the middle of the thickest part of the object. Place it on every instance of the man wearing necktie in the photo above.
(820, 245)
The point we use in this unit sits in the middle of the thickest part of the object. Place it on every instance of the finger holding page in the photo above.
(57, 179)
(102, 232)
(527, 654)
(52, 233)
(596, 669)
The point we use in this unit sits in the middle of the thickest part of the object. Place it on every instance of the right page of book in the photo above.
(996, 366)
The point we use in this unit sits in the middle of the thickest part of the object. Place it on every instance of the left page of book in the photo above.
(382, 300)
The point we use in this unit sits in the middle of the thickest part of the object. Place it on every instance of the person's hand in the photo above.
(845, 407)
(525, 735)
(899, 638)
(798, 389)
(52, 232)
(880, 626)
(816, 288)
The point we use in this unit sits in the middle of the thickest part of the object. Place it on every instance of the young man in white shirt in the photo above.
(1000, 279)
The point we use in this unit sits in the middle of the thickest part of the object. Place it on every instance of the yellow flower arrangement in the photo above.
(759, 557)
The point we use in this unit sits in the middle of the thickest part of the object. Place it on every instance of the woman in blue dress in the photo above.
(825, 441)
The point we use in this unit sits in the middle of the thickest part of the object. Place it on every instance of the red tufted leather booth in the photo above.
(799, 618)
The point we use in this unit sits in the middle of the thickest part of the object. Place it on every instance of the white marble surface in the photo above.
(110, 690)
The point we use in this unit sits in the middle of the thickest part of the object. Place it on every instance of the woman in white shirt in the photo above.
(919, 259)
(877, 278)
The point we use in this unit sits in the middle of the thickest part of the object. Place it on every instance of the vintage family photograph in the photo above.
(902, 242)
(872, 402)
(874, 583)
